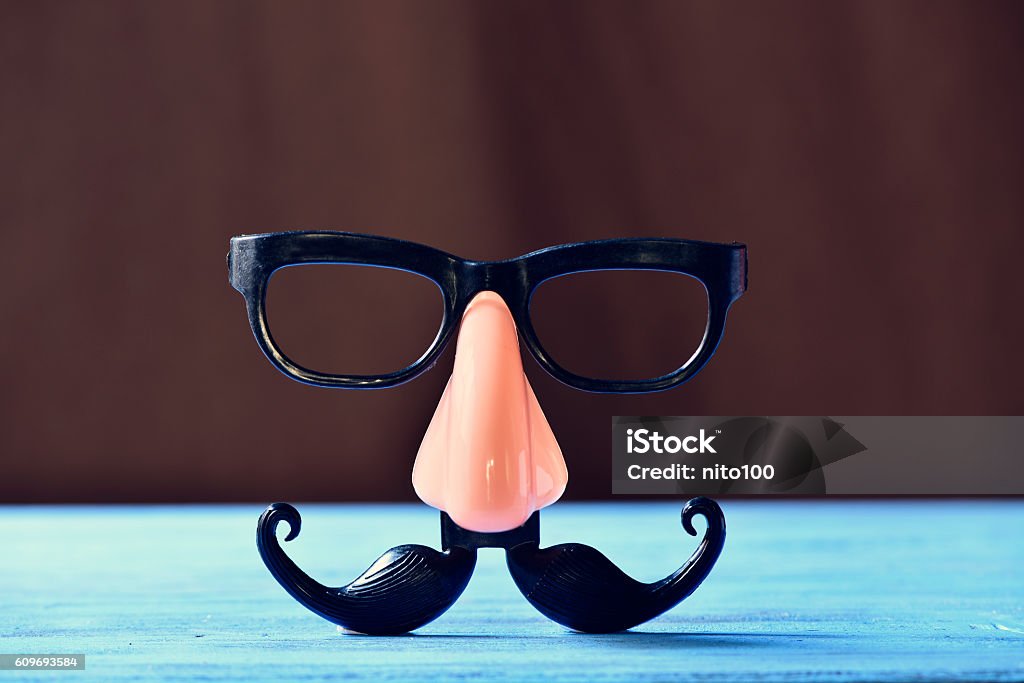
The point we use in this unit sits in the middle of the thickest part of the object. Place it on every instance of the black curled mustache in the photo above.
(411, 585)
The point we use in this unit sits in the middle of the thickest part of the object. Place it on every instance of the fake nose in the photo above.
(489, 458)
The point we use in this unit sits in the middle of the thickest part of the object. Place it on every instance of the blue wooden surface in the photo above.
(804, 591)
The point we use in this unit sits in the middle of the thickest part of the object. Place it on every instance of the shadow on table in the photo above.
(653, 641)
(671, 641)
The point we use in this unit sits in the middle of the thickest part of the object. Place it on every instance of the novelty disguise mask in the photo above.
(489, 461)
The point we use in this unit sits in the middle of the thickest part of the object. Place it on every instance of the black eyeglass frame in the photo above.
(720, 268)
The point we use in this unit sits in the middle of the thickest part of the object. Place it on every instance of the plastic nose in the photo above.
(489, 458)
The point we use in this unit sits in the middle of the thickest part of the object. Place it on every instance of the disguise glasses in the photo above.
(720, 268)
(571, 583)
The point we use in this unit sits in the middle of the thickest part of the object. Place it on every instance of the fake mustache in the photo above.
(411, 585)
(407, 587)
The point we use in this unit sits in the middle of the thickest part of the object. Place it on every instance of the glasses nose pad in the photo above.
(407, 587)
(578, 587)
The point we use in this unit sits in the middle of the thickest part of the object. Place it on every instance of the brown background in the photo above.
(870, 154)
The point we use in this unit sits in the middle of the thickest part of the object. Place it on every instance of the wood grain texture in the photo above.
(870, 154)
(838, 591)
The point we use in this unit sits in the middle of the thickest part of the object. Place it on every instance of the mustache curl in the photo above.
(578, 587)
(411, 585)
(407, 587)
